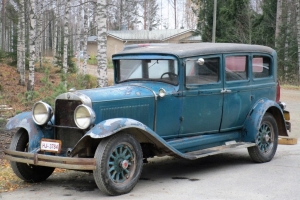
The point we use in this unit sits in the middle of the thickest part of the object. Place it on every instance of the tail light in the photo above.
(278, 92)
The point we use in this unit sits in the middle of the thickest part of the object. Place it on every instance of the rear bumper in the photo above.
(51, 161)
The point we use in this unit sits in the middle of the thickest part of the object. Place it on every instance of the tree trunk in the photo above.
(298, 38)
(30, 85)
(3, 25)
(66, 40)
(286, 41)
(278, 20)
(21, 44)
(39, 23)
(85, 38)
(102, 39)
(55, 37)
(79, 34)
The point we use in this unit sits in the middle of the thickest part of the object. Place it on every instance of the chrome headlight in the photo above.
(41, 113)
(84, 116)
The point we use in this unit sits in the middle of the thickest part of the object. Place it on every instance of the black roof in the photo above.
(194, 49)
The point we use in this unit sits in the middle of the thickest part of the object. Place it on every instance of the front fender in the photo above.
(111, 126)
(254, 118)
(35, 132)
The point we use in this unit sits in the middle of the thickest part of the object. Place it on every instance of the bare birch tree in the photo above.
(102, 38)
(85, 37)
(66, 38)
(55, 30)
(21, 43)
(78, 38)
(298, 38)
(278, 20)
(30, 85)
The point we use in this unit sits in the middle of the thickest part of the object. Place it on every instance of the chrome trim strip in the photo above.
(76, 96)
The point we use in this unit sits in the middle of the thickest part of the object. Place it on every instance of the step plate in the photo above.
(218, 150)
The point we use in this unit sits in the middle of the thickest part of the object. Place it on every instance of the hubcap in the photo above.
(121, 163)
(124, 164)
(265, 138)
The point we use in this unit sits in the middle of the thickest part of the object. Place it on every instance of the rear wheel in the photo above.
(119, 162)
(266, 140)
(27, 172)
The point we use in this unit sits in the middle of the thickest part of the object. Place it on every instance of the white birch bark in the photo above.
(298, 38)
(30, 85)
(102, 40)
(19, 40)
(85, 37)
(55, 37)
(39, 22)
(78, 38)
(278, 20)
(21, 60)
(66, 38)
(286, 45)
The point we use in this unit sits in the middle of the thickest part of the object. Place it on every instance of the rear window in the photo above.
(261, 66)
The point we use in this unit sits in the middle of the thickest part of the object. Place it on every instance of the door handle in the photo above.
(225, 91)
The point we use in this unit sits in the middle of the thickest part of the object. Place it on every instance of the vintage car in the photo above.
(183, 100)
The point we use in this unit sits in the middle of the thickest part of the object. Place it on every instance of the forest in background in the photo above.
(33, 29)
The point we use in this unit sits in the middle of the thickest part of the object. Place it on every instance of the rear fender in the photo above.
(254, 118)
(35, 132)
(112, 126)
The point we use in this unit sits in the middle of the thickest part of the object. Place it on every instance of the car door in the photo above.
(202, 100)
(237, 91)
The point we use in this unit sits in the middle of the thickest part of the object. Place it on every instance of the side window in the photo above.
(202, 73)
(236, 68)
(261, 66)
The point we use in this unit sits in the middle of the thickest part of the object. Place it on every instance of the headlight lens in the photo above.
(41, 113)
(84, 116)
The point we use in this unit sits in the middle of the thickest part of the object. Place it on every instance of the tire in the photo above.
(266, 140)
(119, 163)
(26, 172)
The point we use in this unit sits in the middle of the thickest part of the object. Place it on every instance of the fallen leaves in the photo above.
(8, 180)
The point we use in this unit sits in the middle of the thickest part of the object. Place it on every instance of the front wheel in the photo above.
(24, 171)
(266, 140)
(119, 163)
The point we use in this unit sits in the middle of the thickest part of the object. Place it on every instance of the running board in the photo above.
(218, 150)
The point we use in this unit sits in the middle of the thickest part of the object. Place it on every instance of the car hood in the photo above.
(128, 90)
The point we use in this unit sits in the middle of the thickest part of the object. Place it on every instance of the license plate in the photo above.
(51, 145)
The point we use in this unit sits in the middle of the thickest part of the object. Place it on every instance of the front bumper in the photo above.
(51, 161)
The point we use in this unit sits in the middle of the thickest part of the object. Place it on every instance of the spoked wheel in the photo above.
(24, 171)
(119, 162)
(266, 140)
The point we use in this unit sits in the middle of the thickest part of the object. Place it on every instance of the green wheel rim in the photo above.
(265, 138)
(121, 163)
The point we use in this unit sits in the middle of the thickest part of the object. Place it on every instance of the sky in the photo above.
(167, 13)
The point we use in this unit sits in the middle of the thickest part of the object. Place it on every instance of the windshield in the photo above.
(148, 69)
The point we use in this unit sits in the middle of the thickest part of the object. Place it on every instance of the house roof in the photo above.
(147, 35)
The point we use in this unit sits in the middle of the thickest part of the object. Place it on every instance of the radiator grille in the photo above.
(64, 116)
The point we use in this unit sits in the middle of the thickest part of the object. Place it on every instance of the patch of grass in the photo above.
(110, 64)
(92, 60)
(290, 87)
